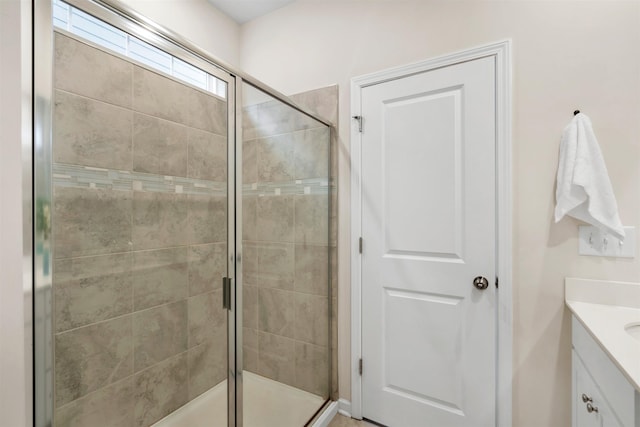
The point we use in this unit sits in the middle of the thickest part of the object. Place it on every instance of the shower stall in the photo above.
(184, 233)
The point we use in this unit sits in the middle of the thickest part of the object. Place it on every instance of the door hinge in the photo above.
(360, 245)
(360, 367)
(497, 280)
(226, 293)
(359, 119)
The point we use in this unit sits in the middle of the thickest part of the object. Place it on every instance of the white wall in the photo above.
(567, 55)
(15, 85)
(197, 21)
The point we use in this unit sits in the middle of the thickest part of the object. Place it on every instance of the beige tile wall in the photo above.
(139, 328)
(286, 244)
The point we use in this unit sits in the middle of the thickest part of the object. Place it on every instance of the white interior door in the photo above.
(429, 228)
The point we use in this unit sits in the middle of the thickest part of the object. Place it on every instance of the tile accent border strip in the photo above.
(75, 176)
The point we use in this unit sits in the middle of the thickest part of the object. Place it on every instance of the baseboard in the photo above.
(325, 418)
(344, 407)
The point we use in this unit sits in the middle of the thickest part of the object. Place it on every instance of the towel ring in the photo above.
(575, 113)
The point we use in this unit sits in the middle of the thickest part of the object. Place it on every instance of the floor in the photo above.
(267, 403)
(342, 421)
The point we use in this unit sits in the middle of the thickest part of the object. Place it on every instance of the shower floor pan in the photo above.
(267, 403)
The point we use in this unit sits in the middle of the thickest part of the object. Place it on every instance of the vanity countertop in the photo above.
(605, 308)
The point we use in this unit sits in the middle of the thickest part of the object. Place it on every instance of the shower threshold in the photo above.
(267, 403)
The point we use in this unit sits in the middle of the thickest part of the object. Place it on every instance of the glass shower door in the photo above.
(285, 275)
(140, 231)
(149, 198)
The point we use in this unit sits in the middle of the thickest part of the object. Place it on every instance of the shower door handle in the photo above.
(226, 293)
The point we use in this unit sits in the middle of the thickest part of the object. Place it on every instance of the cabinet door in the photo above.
(601, 414)
(582, 384)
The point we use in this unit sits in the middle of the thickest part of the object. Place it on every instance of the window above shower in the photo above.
(77, 22)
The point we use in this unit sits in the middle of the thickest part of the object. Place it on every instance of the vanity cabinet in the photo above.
(601, 395)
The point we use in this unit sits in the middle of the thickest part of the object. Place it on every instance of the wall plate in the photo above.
(595, 242)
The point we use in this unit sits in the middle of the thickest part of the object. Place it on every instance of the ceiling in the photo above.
(243, 11)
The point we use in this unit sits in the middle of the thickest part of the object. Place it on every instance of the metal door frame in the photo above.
(132, 22)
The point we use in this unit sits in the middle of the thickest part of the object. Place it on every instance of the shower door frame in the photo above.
(140, 27)
(132, 22)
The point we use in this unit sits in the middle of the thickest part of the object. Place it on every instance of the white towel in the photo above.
(584, 190)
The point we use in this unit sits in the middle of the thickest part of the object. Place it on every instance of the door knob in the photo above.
(481, 283)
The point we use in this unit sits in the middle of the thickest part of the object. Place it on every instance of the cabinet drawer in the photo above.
(618, 393)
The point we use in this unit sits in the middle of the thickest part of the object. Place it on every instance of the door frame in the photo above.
(501, 52)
